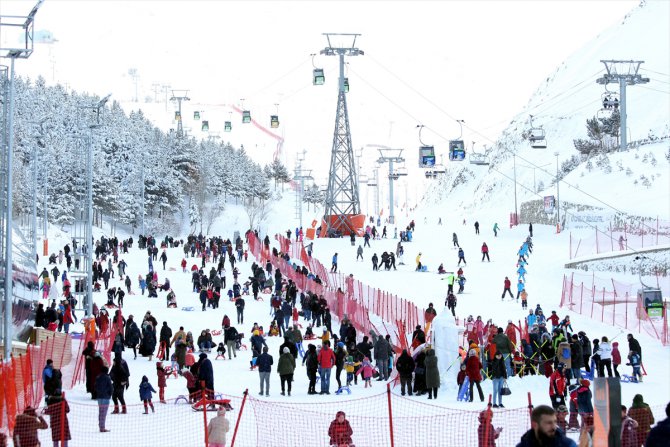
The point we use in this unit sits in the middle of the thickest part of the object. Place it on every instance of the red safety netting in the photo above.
(612, 302)
(621, 237)
(366, 307)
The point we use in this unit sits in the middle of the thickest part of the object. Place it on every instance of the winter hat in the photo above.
(203, 355)
(585, 382)
(340, 345)
(472, 352)
(256, 332)
(286, 350)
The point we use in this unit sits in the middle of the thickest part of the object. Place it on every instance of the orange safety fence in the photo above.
(614, 303)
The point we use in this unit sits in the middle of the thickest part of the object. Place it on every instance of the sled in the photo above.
(625, 378)
(188, 309)
(341, 389)
(464, 391)
(424, 268)
(216, 332)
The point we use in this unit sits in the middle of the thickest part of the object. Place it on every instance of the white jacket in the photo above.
(217, 428)
(605, 351)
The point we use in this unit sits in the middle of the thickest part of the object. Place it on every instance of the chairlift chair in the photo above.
(537, 138)
(274, 121)
(478, 159)
(246, 116)
(227, 126)
(318, 78)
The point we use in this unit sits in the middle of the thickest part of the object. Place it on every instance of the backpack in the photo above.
(565, 352)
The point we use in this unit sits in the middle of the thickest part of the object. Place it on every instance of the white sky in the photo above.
(477, 60)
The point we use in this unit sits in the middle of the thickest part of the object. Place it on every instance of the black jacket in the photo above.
(497, 368)
(405, 365)
(560, 440)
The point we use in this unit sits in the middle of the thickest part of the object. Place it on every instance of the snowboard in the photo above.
(464, 391)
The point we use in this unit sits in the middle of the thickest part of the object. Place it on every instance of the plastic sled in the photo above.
(188, 309)
(625, 378)
(216, 332)
(342, 389)
(464, 391)
(424, 268)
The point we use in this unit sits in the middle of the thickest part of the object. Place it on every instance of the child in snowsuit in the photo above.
(350, 367)
(366, 370)
(634, 361)
(162, 382)
(146, 391)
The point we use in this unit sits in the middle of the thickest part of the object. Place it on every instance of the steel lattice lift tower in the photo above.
(342, 197)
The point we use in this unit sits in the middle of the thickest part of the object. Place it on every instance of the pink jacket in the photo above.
(616, 355)
(366, 370)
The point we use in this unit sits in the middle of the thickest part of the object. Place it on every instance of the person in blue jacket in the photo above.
(519, 288)
(333, 268)
(146, 391)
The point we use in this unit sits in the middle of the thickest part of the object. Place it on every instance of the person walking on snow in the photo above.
(418, 262)
(454, 238)
(508, 285)
(333, 268)
(461, 256)
(496, 228)
(520, 287)
(485, 252)
(359, 253)
(477, 227)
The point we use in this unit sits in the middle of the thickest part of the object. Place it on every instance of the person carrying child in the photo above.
(146, 391)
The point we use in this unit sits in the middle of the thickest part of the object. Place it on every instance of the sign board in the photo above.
(549, 204)
(607, 412)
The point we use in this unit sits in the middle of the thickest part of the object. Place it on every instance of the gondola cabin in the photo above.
(205, 126)
(426, 156)
(246, 116)
(318, 78)
(274, 121)
(227, 126)
(177, 116)
(456, 150)
(196, 115)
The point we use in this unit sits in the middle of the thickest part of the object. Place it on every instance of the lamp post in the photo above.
(24, 25)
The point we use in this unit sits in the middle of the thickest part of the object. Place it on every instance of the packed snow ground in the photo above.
(482, 297)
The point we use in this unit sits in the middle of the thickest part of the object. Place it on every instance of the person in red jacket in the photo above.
(507, 289)
(340, 431)
(473, 368)
(511, 331)
(557, 387)
(487, 434)
(554, 320)
(616, 358)
(326, 360)
(485, 252)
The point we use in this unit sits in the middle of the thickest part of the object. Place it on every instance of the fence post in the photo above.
(570, 245)
(597, 246)
(602, 307)
(530, 407)
(581, 298)
(388, 395)
(63, 415)
(203, 401)
(239, 417)
(626, 324)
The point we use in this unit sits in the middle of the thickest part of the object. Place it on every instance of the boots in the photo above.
(116, 409)
(123, 410)
(152, 407)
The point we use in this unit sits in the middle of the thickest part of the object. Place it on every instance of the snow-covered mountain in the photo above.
(561, 105)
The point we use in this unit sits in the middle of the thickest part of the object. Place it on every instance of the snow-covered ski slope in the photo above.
(561, 105)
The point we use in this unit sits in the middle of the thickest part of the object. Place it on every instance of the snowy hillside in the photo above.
(561, 106)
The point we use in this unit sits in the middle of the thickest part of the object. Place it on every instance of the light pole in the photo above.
(558, 198)
(14, 25)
